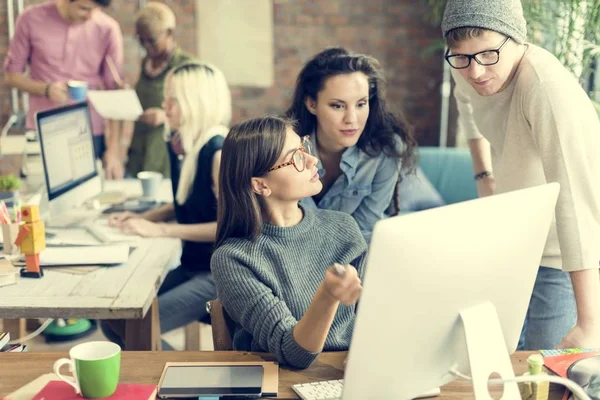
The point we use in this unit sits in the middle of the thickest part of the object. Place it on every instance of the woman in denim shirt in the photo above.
(339, 101)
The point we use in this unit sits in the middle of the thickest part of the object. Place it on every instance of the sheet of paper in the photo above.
(85, 255)
(13, 145)
(116, 104)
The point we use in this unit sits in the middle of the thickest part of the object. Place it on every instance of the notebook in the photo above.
(59, 390)
(559, 364)
(4, 339)
(561, 360)
(14, 348)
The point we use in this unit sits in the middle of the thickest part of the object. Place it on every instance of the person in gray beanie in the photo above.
(529, 122)
(505, 17)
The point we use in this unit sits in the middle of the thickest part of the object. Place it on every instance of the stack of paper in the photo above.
(8, 273)
(4, 338)
(85, 255)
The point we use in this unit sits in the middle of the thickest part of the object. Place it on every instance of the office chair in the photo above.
(221, 326)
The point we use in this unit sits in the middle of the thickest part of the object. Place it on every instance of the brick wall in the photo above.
(394, 31)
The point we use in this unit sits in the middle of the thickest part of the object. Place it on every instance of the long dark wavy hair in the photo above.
(249, 150)
(382, 128)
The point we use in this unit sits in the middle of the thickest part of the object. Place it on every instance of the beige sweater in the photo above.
(543, 128)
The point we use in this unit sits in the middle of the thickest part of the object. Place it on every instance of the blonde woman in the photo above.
(197, 106)
(155, 27)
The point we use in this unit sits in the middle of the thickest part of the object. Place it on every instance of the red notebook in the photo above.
(560, 364)
(59, 390)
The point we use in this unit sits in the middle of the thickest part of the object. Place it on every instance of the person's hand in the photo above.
(113, 166)
(486, 186)
(343, 284)
(116, 220)
(153, 116)
(143, 227)
(580, 337)
(58, 93)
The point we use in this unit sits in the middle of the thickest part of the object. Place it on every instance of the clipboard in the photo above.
(270, 384)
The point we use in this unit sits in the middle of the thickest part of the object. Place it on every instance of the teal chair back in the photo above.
(450, 171)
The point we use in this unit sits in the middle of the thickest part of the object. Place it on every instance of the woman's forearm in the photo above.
(311, 331)
(206, 232)
(163, 213)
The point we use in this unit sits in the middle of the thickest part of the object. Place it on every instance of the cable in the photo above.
(569, 384)
(33, 334)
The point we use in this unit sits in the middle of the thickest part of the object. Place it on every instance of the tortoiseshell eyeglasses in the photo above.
(298, 156)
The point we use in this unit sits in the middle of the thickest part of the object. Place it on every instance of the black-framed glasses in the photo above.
(485, 58)
(298, 156)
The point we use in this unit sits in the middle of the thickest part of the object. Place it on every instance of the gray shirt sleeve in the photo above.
(251, 303)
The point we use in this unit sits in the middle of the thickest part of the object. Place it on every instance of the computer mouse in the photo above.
(586, 373)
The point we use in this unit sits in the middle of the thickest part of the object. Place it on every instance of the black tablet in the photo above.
(199, 380)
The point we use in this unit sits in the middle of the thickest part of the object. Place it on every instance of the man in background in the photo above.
(66, 40)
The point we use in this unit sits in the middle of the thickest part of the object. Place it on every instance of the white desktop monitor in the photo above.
(68, 156)
(423, 270)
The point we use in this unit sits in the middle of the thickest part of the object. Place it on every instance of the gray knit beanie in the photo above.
(503, 16)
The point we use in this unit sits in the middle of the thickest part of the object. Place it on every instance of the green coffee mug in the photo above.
(96, 365)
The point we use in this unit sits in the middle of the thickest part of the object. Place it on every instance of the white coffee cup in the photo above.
(150, 183)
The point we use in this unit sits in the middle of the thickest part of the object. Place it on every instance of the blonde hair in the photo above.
(156, 17)
(205, 102)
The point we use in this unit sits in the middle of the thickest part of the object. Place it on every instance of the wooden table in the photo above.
(146, 367)
(125, 292)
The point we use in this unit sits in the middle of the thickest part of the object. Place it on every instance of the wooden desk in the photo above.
(125, 292)
(145, 368)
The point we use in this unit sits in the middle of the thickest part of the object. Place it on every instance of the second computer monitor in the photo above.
(424, 269)
(66, 140)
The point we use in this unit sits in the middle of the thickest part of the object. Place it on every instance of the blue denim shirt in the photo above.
(364, 189)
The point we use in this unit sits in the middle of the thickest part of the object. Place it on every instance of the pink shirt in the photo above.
(57, 51)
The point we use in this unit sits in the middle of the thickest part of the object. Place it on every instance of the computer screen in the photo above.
(424, 270)
(68, 156)
(68, 148)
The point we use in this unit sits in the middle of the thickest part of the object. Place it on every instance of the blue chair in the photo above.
(450, 171)
(444, 177)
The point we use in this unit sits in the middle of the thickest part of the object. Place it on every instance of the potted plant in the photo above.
(9, 187)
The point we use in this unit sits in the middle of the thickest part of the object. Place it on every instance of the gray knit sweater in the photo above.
(266, 285)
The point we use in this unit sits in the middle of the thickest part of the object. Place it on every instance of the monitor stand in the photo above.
(487, 351)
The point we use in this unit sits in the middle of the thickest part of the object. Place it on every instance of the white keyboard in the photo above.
(96, 231)
(99, 229)
(332, 390)
(323, 390)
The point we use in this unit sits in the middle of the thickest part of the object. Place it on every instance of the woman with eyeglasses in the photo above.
(197, 105)
(155, 27)
(339, 101)
(288, 276)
